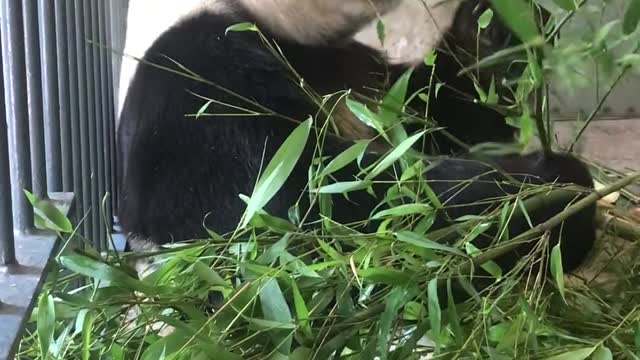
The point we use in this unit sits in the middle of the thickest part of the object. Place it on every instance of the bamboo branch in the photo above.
(540, 229)
(375, 309)
(619, 227)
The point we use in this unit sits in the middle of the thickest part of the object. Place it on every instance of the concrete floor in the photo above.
(613, 143)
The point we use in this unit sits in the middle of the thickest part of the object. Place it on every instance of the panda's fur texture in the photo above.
(175, 169)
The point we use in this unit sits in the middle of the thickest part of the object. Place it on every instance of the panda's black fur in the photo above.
(174, 170)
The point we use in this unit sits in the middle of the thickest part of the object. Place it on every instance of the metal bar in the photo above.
(15, 94)
(34, 99)
(46, 16)
(105, 149)
(74, 108)
(91, 125)
(85, 156)
(96, 128)
(111, 99)
(63, 76)
(114, 36)
(7, 247)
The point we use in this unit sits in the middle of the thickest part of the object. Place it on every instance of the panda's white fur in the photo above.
(413, 27)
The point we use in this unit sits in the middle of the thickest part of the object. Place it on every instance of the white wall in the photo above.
(146, 20)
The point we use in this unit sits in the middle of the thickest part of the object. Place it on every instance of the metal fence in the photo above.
(56, 135)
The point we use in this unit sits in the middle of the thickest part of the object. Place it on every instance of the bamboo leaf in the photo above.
(579, 354)
(278, 170)
(519, 17)
(344, 187)
(557, 270)
(344, 158)
(631, 17)
(394, 155)
(45, 323)
(47, 215)
(435, 312)
(243, 26)
(566, 4)
(419, 241)
(485, 19)
(404, 210)
(275, 309)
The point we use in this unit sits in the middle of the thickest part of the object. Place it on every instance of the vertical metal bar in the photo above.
(96, 126)
(46, 16)
(103, 135)
(63, 93)
(111, 102)
(84, 115)
(15, 94)
(113, 37)
(7, 248)
(74, 108)
(34, 99)
(110, 121)
(90, 122)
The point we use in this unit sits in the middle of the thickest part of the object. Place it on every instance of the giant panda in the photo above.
(178, 174)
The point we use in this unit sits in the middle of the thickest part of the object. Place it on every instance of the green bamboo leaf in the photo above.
(579, 354)
(203, 108)
(435, 312)
(87, 326)
(631, 17)
(602, 353)
(46, 321)
(392, 106)
(519, 17)
(630, 60)
(301, 353)
(481, 93)
(209, 275)
(492, 96)
(404, 210)
(47, 215)
(278, 170)
(557, 270)
(454, 317)
(396, 299)
(101, 271)
(430, 58)
(344, 187)
(302, 311)
(568, 5)
(276, 310)
(345, 157)
(414, 311)
(385, 275)
(394, 155)
(243, 26)
(414, 239)
(380, 31)
(490, 266)
(485, 19)
(601, 35)
(366, 116)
